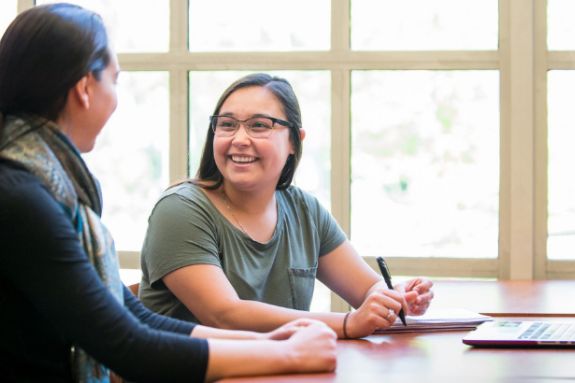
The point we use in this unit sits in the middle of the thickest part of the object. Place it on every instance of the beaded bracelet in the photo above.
(345, 336)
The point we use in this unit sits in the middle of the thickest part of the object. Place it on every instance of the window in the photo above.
(423, 25)
(438, 131)
(131, 156)
(144, 30)
(8, 11)
(560, 25)
(561, 136)
(425, 163)
(561, 221)
(257, 25)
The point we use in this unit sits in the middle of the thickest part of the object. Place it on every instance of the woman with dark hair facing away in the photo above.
(240, 247)
(66, 316)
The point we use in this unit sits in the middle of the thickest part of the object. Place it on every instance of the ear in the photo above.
(81, 93)
(301, 137)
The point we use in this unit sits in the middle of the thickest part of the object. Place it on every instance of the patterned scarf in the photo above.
(38, 145)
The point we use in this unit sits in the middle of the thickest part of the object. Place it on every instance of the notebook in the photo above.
(438, 319)
(517, 333)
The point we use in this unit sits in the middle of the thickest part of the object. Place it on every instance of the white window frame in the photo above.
(522, 61)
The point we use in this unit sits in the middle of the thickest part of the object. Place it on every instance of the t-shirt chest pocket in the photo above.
(302, 281)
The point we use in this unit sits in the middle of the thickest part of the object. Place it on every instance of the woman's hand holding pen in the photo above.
(378, 310)
(417, 293)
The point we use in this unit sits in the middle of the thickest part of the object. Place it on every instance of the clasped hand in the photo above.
(311, 343)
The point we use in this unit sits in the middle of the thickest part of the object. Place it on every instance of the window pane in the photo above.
(131, 156)
(133, 25)
(424, 24)
(8, 11)
(258, 25)
(561, 188)
(425, 163)
(313, 91)
(560, 27)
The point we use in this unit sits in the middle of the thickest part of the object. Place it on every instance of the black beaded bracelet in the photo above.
(345, 336)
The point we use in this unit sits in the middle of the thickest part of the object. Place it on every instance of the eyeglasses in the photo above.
(256, 127)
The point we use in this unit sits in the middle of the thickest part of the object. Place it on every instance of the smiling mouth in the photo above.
(243, 159)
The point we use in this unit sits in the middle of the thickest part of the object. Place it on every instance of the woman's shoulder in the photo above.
(186, 189)
(23, 194)
(298, 192)
(186, 195)
(10, 169)
(15, 178)
(293, 195)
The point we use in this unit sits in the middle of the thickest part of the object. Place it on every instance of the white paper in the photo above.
(436, 319)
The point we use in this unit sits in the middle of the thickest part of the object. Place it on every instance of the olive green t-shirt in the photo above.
(186, 229)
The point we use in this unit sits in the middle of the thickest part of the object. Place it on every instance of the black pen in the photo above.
(387, 278)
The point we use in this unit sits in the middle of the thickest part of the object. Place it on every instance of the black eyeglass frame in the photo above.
(274, 120)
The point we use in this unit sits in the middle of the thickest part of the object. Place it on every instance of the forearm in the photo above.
(258, 316)
(312, 349)
(154, 320)
(205, 332)
(342, 265)
(249, 358)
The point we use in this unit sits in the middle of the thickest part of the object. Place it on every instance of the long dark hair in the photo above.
(44, 52)
(208, 171)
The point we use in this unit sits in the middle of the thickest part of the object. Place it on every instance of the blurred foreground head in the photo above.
(44, 52)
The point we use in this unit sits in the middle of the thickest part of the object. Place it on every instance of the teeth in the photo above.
(243, 159)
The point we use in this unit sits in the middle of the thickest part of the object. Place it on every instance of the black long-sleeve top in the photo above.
(51, 297)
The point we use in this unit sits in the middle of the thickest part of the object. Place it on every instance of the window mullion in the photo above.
(340, 115)
(541, 131)
(340, 126)
(517, 199)
(178, 92)
(24, 5)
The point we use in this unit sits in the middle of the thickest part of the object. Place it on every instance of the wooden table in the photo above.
(442, 357)
(435, 357)
(508, 298)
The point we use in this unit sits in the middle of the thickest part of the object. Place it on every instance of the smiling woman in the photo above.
(241, 247)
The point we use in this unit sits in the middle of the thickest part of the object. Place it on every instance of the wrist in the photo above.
(259, 335)
(345, 325)
(292, 359)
